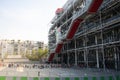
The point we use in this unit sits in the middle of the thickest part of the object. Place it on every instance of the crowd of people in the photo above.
(34, 66)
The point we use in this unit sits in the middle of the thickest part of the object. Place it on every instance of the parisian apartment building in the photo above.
(19, 47)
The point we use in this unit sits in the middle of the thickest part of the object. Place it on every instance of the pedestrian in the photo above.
(38, 73)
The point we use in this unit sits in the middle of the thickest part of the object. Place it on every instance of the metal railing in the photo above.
(82, 10)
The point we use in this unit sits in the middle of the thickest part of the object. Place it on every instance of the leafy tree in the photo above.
(37, 54)
(42, 52)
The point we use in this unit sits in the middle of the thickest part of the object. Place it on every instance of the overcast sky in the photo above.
(27, 19)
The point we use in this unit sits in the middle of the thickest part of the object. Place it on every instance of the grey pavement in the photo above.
(55, 72)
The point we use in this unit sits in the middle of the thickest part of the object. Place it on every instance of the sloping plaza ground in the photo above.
(21, 73)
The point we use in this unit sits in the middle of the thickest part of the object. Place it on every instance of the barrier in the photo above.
(117, 77)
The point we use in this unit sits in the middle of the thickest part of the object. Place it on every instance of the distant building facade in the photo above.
(12, 47)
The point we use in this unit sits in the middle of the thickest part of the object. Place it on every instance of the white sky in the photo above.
(27, 19)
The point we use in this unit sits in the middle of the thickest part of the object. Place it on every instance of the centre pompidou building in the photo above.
(86, 33)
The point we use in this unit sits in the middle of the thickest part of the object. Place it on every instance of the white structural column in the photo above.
(68, 58)
(85, 59)
(85, 52)
(97, 58)
(75, 54)
(115, 57)
(102, 42)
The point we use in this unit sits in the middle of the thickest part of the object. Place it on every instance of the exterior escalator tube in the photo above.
(94, 6)
(51, 56)
(73, 28)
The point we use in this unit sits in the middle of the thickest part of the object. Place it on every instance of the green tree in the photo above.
(37, 54)
(42, 52)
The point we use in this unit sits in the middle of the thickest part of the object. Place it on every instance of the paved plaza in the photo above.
(55, 72)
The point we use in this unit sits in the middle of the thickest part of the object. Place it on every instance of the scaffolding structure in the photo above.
(96, 42)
